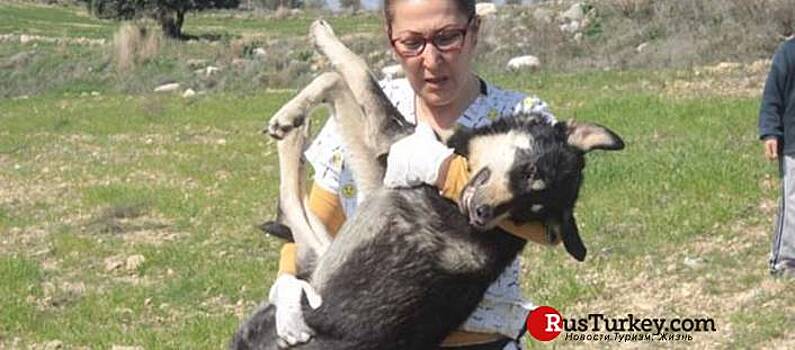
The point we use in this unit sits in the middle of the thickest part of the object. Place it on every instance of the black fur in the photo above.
(259, 331)
(278, 230)
(420, 300)
(396, 290)
(550, 159)
(393, 292)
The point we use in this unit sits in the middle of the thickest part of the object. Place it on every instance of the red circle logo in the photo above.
(544, 323)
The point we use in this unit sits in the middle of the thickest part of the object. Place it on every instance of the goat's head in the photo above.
(524, 168)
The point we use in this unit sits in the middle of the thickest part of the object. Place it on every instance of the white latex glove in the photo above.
(415, 159)
(286, 294)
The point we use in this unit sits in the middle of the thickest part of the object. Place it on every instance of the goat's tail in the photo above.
(276, 228)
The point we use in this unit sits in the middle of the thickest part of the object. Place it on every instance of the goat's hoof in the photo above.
(275, 131)
(320, 32)
(281, 124)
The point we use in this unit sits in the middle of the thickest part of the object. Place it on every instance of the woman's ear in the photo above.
(388, 33)
(475, 30)
(476, 23)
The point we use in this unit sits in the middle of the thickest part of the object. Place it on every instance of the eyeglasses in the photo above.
(445, 40)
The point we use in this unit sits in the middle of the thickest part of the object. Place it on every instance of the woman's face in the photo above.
(438, 77)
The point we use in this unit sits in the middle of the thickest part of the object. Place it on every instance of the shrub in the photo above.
(135, 43)
(169, 13)
(674, 34)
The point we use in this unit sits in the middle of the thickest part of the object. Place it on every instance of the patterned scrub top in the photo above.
(503, 309)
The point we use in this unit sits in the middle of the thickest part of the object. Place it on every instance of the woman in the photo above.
(435, 41)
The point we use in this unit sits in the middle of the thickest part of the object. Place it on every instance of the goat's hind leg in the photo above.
(294, 113)
(291, 127)
(384, 124)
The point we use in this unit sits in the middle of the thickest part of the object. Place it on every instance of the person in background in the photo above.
(777, 132)
(434, 41)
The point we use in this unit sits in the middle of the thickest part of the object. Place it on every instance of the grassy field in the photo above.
(128, 218)
(56, 21)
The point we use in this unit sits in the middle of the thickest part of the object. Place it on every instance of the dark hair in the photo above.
(465, 7)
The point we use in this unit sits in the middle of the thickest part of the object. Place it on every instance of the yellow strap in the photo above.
(287, 259)
(457, 177)
(327, 207)
(532, 231)
(463, 338)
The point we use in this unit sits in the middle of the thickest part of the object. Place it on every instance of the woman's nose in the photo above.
(431, 56)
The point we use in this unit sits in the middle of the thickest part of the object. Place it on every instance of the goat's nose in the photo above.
(483, 212)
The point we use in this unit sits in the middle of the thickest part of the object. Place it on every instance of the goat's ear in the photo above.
(587, 136)
(565, 227)
(459, 141)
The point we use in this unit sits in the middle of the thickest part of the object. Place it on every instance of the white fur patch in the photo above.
(538, 185)
(498, 154)
(536, 208)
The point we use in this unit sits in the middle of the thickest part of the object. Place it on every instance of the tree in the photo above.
(275, 4)
(169, 13)
(314, 4)
(353, 5)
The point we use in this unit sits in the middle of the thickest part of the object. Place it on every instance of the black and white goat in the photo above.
(410, 266)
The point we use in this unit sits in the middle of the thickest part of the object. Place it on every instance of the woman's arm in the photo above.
(454, 175)
(328, 209)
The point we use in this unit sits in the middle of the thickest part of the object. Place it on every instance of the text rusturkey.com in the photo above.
(654, 328)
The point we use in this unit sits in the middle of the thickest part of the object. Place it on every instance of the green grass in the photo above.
(209, 194)
(277, 28)
(226, 36)
(20, 278)
(52, 21)
(213, 192)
